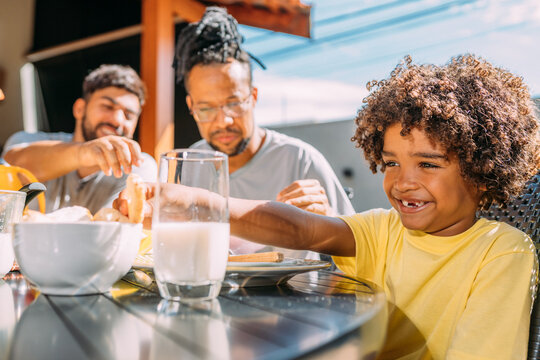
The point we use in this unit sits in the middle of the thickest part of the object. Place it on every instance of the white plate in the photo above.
(251, 264)
(266, 274)
(246, 274)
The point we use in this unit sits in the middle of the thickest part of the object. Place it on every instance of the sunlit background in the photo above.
(312, 88)
(323, 78)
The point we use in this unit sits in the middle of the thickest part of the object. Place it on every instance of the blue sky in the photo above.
(353, 42)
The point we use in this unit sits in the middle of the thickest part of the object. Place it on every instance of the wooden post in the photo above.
(156, 128)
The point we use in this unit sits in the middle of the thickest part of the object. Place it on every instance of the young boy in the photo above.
(449, 140)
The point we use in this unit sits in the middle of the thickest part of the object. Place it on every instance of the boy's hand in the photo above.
(307, 195)
(175, 201)
(111, 153)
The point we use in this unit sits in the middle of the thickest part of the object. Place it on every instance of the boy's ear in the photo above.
(482, 187)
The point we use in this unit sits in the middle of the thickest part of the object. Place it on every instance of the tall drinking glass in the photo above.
(11, 209)
(190, 224)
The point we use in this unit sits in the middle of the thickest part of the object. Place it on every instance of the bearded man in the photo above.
(89, 167)
(263, 164)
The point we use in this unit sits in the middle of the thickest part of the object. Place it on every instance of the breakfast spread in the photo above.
(67, 214)
(110, 214)
(135, 196)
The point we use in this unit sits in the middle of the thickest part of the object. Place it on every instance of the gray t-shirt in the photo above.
(94, 191)
(280, 161)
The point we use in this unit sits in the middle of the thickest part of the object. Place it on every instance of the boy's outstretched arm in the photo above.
(266, 222)
(278, 224)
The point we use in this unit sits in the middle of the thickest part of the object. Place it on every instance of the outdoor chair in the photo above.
(524, 214)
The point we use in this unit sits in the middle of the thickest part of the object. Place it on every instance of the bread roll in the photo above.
(136, 196)
(110, 214)
(70, 214)
(35, 216)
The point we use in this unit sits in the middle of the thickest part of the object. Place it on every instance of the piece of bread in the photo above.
(70, 214)
(272, 256)
(110, 214)
(136, 196)
(35, 216)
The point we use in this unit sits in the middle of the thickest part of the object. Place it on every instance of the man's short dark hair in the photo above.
(120, 76)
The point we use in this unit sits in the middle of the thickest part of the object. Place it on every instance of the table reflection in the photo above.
(201, 324)
(313, 315)
(81, 327)
(7, 319)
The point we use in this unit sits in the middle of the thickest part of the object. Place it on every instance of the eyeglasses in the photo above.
(233, 109)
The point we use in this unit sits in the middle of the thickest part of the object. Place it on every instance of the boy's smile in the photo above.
(424, 184)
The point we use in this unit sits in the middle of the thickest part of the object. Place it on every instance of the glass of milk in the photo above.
(190, 224)
(11, 209)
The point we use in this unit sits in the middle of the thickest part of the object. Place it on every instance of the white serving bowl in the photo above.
(75, 258)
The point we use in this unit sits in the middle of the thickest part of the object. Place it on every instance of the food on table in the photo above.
(272, 256)
(75, 214)
(67, 214)
(35, 216)
(110, 214)
(135, 194)
(135, 197)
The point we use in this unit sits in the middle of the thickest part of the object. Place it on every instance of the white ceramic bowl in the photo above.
(75, 258)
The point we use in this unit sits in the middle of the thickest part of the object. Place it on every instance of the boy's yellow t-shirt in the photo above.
(466, 296)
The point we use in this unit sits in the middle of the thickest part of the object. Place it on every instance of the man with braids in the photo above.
(89, 167)
(263, 164)
(450, 140)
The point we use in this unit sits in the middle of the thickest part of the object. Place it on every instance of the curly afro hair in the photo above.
(481, 113)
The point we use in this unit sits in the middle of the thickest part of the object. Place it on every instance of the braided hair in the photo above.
(214, 39)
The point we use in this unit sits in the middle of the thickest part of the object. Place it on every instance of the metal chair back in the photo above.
(524, 213)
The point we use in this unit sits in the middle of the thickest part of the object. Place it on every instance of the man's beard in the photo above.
(91, 134)
(242, 145)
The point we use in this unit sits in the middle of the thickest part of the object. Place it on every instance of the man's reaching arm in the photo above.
(52, 159)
